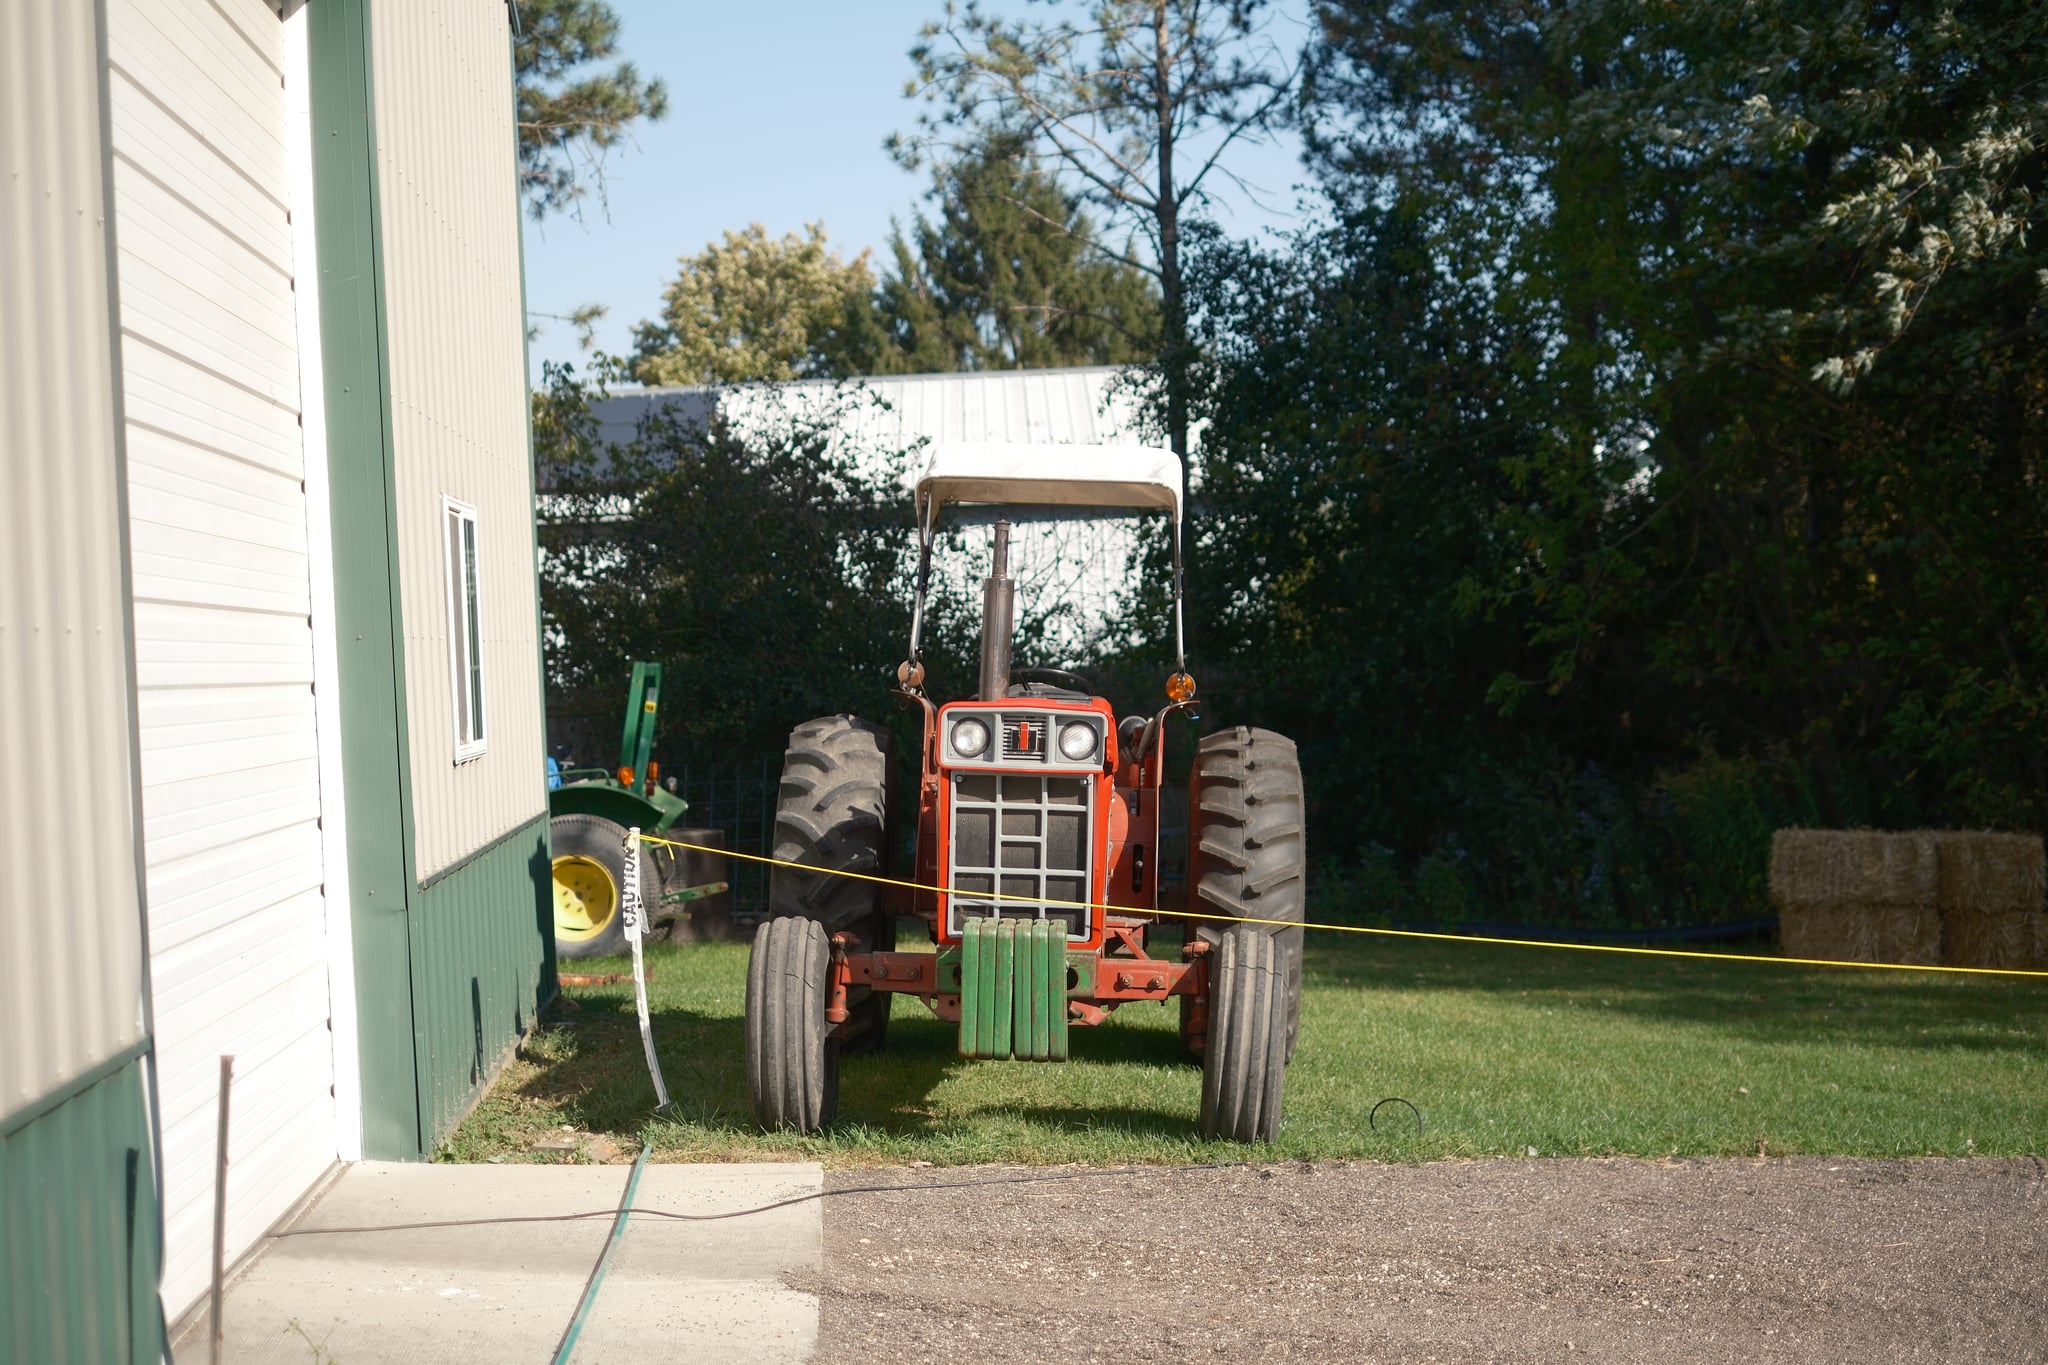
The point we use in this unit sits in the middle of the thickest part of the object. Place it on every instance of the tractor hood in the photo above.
(1137, 477)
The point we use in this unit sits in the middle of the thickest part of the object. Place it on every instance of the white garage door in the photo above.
(224, 663)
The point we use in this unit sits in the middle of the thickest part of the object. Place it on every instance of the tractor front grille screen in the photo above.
(1019, 836)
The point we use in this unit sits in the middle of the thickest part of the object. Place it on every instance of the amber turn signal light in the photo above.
(1180, 687)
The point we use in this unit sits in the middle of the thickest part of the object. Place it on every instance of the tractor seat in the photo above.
(1038, 691)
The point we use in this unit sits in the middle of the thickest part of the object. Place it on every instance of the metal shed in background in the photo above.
(880, 421)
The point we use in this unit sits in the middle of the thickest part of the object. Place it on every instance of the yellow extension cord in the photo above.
(1357, 929)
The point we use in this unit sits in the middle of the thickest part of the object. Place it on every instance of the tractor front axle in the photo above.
(1014, 986)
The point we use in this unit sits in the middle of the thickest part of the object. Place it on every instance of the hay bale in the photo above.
(1857, 895)
(1990, 893)
(1853, 867)
(1851, 933)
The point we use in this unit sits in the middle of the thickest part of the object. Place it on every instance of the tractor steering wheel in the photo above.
(1079, 683)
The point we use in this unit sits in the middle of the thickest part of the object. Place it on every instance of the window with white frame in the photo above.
(465, 627)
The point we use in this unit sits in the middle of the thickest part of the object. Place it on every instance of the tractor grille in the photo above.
(1023, 836)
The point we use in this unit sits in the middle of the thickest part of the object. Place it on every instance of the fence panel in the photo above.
(738, 799)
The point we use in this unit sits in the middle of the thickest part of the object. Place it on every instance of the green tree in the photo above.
(1136, 104)
(754, 307)
(569, 118)
(1789, 265)
(1009, 276)
(768, 574)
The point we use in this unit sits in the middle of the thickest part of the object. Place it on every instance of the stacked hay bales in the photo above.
(1990, 893)
(1922, 897)
(1857, 895)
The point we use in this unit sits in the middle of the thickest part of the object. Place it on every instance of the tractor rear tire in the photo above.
(1244, 1068)
(792, 1059)
(589, 856)
(1247, 855)
(830, 813)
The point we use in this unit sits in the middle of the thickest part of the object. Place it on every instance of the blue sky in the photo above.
(777, 113)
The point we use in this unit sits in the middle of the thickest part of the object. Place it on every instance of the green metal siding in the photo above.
(481, 935)
(78, 1248)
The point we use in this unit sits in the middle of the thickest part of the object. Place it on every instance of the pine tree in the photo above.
(568, 122)
(1009, 276)
(1135, 103)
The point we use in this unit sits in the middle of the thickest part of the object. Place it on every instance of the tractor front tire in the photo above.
(1247, 855)
(589, 856)
(830, 813)
(792, 1059)
(1244, 1067)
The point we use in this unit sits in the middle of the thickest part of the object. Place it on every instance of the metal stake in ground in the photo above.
(630, 908)
(220, 1208)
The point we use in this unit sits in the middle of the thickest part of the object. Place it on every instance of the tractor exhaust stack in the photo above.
(998, 606)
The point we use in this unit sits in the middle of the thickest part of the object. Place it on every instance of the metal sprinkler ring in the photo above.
(1370, 1118)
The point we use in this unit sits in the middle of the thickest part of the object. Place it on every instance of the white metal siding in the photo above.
(448, 197)
(224, 663)
(70, 940)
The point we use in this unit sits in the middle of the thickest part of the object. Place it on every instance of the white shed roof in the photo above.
(1051, 475)
(878, 417)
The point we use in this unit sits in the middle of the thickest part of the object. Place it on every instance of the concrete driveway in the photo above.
(498, 1293)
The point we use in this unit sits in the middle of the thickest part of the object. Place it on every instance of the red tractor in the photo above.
(1037, 850)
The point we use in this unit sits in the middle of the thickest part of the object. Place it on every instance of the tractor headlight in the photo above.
(1078, 742)
(970, 738)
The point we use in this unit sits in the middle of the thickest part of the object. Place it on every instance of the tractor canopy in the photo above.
(1043, 474)
(1137, 477)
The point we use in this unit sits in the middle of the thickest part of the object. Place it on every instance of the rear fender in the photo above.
(615, 803)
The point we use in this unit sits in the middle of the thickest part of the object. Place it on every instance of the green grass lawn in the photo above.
(1502, 1049)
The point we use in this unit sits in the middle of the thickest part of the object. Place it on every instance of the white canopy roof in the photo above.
(1051, 475)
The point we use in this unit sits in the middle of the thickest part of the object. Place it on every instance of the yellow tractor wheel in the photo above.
(590, 886)
(586, 898)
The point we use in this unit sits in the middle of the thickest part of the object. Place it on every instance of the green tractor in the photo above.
(589, 812)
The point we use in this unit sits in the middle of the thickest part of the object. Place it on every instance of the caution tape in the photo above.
(1629, 949)
(631, 909)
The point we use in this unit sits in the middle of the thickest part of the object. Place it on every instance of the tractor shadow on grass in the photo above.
(1133, 1121)
(892, 1091)
(587, 1066)
(590, 1068)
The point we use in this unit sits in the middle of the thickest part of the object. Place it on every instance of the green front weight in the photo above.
(1056, 987)
(1013, 989)
(1021, 998)
(1004, 994)
(971, 986)
(985, 966)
